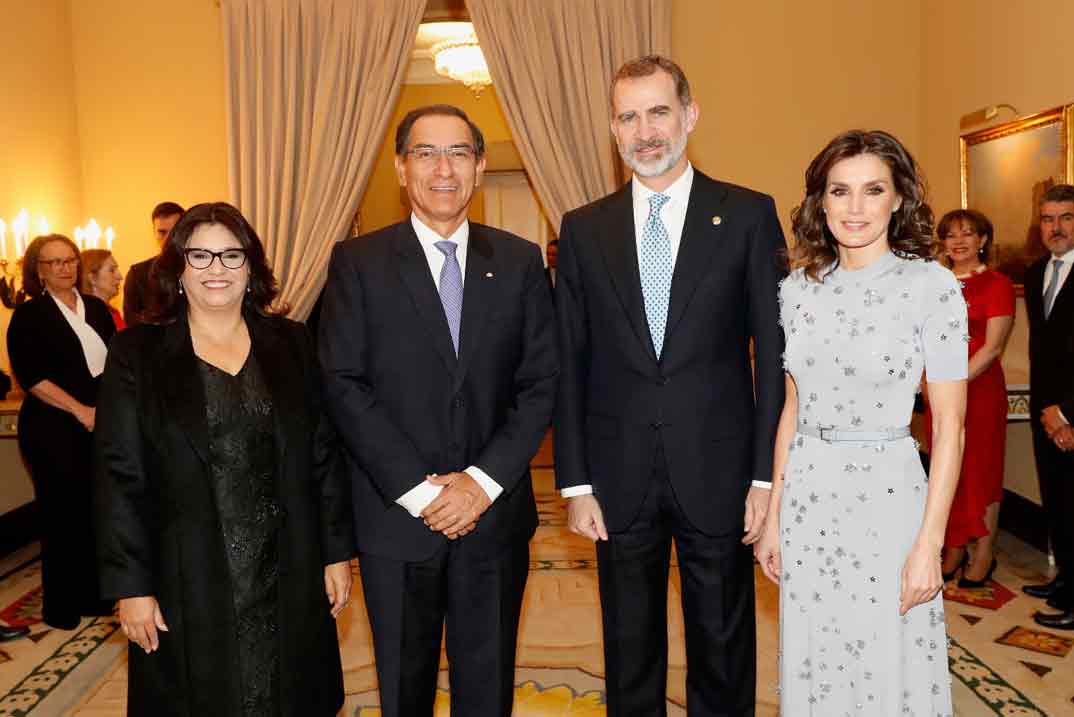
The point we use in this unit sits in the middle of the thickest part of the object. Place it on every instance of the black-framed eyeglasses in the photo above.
(457, 154)
(203, 258)
(55, 264)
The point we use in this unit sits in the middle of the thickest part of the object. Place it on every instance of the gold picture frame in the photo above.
(1005, 169)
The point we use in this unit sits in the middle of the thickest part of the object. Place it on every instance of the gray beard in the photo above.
(657, 167)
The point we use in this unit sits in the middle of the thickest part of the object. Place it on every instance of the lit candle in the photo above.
(21, 229)
(80, 238)
(109, 235)
(3, 240)
(42, 226)
(93, 235)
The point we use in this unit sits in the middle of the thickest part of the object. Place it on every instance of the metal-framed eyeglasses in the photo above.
(203, 258)
(55, 264)
(459, 155)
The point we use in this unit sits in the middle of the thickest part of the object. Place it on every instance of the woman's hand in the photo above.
(86, 415)
(922, 577)
(337, 585)
(767, 550)
(141, 618)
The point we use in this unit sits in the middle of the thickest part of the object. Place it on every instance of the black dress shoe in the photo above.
(1060, 602)
(13, 633)
(1046, 590)
(1056, 621)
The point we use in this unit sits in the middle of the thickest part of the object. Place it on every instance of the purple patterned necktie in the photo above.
(451, 289)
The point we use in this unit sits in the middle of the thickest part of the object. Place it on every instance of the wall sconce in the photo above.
(984, 114)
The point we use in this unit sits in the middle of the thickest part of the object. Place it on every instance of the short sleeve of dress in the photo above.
(944, 326)
(1000, 301)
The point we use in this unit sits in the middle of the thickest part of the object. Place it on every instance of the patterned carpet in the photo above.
(1002, 665)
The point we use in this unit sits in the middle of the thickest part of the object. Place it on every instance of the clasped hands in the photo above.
(456, 510)
(1061, 432)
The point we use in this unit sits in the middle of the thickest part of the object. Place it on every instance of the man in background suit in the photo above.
(662, 433)
(137, 290)
(438, 345)
(1049, 295)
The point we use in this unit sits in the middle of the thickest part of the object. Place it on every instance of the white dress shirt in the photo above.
(93, 347)
(421, 495)
(673, 214)
(1064, 272)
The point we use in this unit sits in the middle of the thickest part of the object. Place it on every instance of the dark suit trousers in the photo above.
(718, 610)
(1055, 472)
(477, 600)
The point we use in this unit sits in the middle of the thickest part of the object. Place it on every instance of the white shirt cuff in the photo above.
(491, 487)
(574, 490)
(1060, 412)
(419, 497)
(766, 484)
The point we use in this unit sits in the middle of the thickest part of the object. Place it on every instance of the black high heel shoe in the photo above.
(967, 584)
(947, 577)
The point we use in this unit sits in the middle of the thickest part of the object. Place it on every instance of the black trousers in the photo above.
(717, 603)
(1055, 472)
(477, 600)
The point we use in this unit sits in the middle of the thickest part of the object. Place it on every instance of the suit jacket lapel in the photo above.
(414, 271)
(1062, 297)
(479, 291)
(619, 245)
(697, 247)
(181, 386)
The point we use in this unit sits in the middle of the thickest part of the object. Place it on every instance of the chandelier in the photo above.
(461, 59)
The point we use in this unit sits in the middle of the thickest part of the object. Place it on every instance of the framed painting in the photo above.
(1006, 169)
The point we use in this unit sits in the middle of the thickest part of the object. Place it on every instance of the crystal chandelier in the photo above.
(461, 59)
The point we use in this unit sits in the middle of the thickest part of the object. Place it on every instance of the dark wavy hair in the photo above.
(169, 303)
(975, 220)
(31, 279)
(910, 230)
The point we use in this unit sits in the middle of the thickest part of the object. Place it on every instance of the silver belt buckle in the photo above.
(826, 433)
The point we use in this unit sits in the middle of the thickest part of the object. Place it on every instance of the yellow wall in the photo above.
(37, 122)
(382, 203)
(150, 93)
(777, 80)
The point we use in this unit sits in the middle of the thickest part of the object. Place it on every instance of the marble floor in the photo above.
(1001, 664)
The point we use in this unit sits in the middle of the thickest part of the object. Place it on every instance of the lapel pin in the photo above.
(488, 275)
(716, 220)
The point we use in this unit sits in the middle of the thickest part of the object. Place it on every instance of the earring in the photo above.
(248, 289)
(180, 287)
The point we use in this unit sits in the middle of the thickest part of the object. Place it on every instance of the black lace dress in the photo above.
(242, 451)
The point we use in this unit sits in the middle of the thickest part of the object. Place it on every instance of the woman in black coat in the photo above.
(57, 342)
(226, 526)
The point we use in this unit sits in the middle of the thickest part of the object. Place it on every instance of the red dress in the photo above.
(988, 294)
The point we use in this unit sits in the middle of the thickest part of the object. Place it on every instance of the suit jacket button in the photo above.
(459, 402)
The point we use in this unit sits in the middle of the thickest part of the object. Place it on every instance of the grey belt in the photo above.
(830, 434)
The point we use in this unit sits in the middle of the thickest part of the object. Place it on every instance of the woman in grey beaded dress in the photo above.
(857, 525)
(225, 529)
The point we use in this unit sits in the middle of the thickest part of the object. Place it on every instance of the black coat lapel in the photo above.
(282, 375)
(697, 247)
(414, 271)
(619, 245)
(479, 291)
(1062, 298)
(182, 390)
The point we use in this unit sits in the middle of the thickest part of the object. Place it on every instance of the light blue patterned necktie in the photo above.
(654, 262)
(451, 289)
(1053, 286)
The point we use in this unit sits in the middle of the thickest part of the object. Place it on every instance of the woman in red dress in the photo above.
(967, 236)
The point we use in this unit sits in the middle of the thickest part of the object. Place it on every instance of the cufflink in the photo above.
(488, 275)
(716, 220)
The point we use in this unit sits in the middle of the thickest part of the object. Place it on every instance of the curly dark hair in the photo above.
(973, 219)
(169, 303)
(910, 229)
(31, 278)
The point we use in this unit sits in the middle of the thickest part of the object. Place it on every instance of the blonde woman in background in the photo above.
(101, 278)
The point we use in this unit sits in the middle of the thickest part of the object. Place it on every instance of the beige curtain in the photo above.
(310, 89)
(551, 63)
